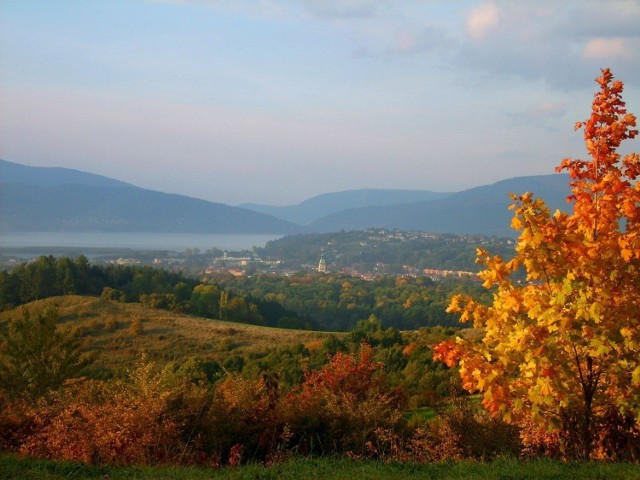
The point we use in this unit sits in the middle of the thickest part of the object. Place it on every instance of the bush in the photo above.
(146, 420)
(338, 408)
(38, 356)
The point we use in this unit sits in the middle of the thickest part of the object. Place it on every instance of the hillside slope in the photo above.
(162, 335)
(55, 199)
(11, 172)
(481, 210)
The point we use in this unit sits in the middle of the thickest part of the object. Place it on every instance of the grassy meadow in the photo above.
(119, 333)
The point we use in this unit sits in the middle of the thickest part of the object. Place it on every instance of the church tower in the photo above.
(322, 264)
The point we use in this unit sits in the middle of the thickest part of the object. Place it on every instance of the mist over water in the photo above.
(177, 242)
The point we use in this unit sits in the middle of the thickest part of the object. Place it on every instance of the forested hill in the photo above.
(387, 251)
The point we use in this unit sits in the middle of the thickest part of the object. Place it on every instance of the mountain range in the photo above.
(60, 199)
(39, 199)
(320, 206)
(480, 210)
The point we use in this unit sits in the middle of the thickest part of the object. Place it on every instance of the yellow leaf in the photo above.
(595, 310)
(516, 223)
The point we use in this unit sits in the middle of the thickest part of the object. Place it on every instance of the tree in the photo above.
(205, 300)
(563, 348)
(36, 356)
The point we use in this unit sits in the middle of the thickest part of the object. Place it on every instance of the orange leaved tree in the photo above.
(563, 347)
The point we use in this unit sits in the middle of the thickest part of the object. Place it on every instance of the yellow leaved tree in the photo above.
(562, 348)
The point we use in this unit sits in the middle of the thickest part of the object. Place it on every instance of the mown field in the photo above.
(13, 467)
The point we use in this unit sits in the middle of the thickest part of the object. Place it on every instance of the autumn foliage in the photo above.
(561, 351)
(169, 416)
(558, 366)
(344, 403)
(148, 419)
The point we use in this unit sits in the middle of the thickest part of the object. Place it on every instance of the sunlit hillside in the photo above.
(119, 333)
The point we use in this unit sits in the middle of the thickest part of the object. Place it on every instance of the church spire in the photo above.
(322, 264)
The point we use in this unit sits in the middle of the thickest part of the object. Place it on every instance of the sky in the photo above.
(274, 101)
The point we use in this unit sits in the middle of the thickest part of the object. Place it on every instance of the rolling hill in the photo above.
(161, 334)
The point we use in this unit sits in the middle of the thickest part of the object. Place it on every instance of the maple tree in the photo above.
(563, 347)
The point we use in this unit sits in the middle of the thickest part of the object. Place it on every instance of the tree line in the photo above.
(332, 302)
(336, 302)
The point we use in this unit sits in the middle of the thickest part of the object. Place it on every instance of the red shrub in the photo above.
(338, 408)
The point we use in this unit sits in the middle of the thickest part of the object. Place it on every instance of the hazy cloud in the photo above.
(411, 40)
(547, 109)
(606, 48)
(544, 115)
(562, 43)
(274, 100)
(482, 20)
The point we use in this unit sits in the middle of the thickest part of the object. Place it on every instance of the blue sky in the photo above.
(272, 101)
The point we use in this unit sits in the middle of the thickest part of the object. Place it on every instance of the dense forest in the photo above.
(312, 302)
(337, 302)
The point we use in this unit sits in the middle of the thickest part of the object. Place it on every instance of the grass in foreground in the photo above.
(14, 467)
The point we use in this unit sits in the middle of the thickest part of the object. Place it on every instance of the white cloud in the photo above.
(605, 48)
(564, 44)
(482, 20)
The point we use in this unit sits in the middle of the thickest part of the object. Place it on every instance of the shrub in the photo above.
(338, 408)
(38, 356)
(145, 420)
(247, 414)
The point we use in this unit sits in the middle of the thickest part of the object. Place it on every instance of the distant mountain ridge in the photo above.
(58, 199)
(53, 176)
(480, 210)
(320, 206)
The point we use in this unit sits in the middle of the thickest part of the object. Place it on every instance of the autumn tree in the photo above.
(563, 347)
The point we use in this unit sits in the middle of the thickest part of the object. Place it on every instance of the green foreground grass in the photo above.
(15, 467)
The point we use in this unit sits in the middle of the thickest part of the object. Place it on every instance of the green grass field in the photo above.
(13, 467)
